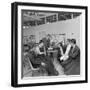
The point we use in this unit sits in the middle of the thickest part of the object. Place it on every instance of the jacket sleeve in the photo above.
(75, 53)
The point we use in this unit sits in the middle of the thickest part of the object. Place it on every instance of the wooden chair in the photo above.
(31, 68)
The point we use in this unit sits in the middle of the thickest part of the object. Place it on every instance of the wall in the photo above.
(70, 27)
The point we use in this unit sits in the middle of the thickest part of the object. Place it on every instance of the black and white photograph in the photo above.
(51, 44)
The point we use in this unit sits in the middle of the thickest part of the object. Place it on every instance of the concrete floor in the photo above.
(58, 67)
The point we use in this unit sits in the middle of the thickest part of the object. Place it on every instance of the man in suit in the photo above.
(46, 41)
(66, 52)
(72, 64)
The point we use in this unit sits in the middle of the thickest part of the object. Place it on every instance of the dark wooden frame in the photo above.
(14, 43)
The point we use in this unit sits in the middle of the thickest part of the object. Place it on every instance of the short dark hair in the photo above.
(73, 41)
(69, 40)
(41, 41)
(49, 35)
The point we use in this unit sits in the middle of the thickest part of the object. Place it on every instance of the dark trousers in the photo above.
(48, 64)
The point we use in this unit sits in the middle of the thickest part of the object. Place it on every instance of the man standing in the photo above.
(46, 41)
(73, 65)
(67, 48)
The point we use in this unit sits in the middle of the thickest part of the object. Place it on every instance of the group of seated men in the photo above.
(68, 56)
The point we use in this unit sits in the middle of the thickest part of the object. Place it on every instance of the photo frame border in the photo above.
(14, 43)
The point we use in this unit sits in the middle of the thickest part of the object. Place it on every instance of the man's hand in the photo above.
(64, 57)
(61, 58)
(43, 64)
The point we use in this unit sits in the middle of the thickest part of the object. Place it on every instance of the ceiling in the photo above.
(33, 18)
(27, 16)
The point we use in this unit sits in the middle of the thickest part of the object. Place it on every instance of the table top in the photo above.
(52, 51)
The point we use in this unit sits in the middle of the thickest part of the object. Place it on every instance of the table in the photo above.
(53, 52)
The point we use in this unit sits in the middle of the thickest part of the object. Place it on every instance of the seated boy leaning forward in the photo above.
(42, 60)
